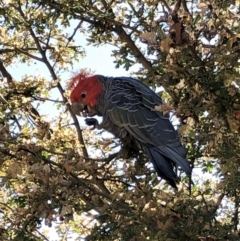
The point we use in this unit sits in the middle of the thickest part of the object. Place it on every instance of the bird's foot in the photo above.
(92, 122)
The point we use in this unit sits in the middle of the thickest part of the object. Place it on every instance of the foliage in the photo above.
(55, 172)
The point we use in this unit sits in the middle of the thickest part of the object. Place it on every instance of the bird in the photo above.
(128, 109)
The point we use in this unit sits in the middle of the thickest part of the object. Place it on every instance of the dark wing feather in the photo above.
(131, 106)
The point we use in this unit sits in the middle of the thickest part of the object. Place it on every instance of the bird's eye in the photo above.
(83, 95)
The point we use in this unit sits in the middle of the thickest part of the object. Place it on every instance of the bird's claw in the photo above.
(92, 122)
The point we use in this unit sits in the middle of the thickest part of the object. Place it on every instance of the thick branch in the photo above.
(185, 7)
(235, 218)
(5, 73)
(135, 51)
(177, 6)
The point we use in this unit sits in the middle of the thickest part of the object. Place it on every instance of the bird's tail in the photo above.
(164, 159)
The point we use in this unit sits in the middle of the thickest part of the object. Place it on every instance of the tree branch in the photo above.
(69, 40)
(185, 7)
(177, 6)
(5, 73)
(29, 55)
(166, 5)
(60, 166)
(135, 51)
(54, 76)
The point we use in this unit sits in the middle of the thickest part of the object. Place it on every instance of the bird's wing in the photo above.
(131, 105)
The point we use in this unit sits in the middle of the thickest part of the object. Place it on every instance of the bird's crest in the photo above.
(81, 77)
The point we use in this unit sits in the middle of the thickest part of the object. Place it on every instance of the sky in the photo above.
(97, 59)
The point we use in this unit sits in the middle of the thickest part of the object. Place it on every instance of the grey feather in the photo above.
(129, 104)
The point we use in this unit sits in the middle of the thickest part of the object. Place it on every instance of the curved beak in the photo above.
(82, 109)
(78, 108)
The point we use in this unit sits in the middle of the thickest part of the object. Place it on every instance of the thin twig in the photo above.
(69, 40)
(42, 235)
(166, 5)
(29, 55)
(116, 180)
(78, 180)
(47, 99)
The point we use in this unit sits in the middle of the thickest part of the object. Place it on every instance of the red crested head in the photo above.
(85, 89)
